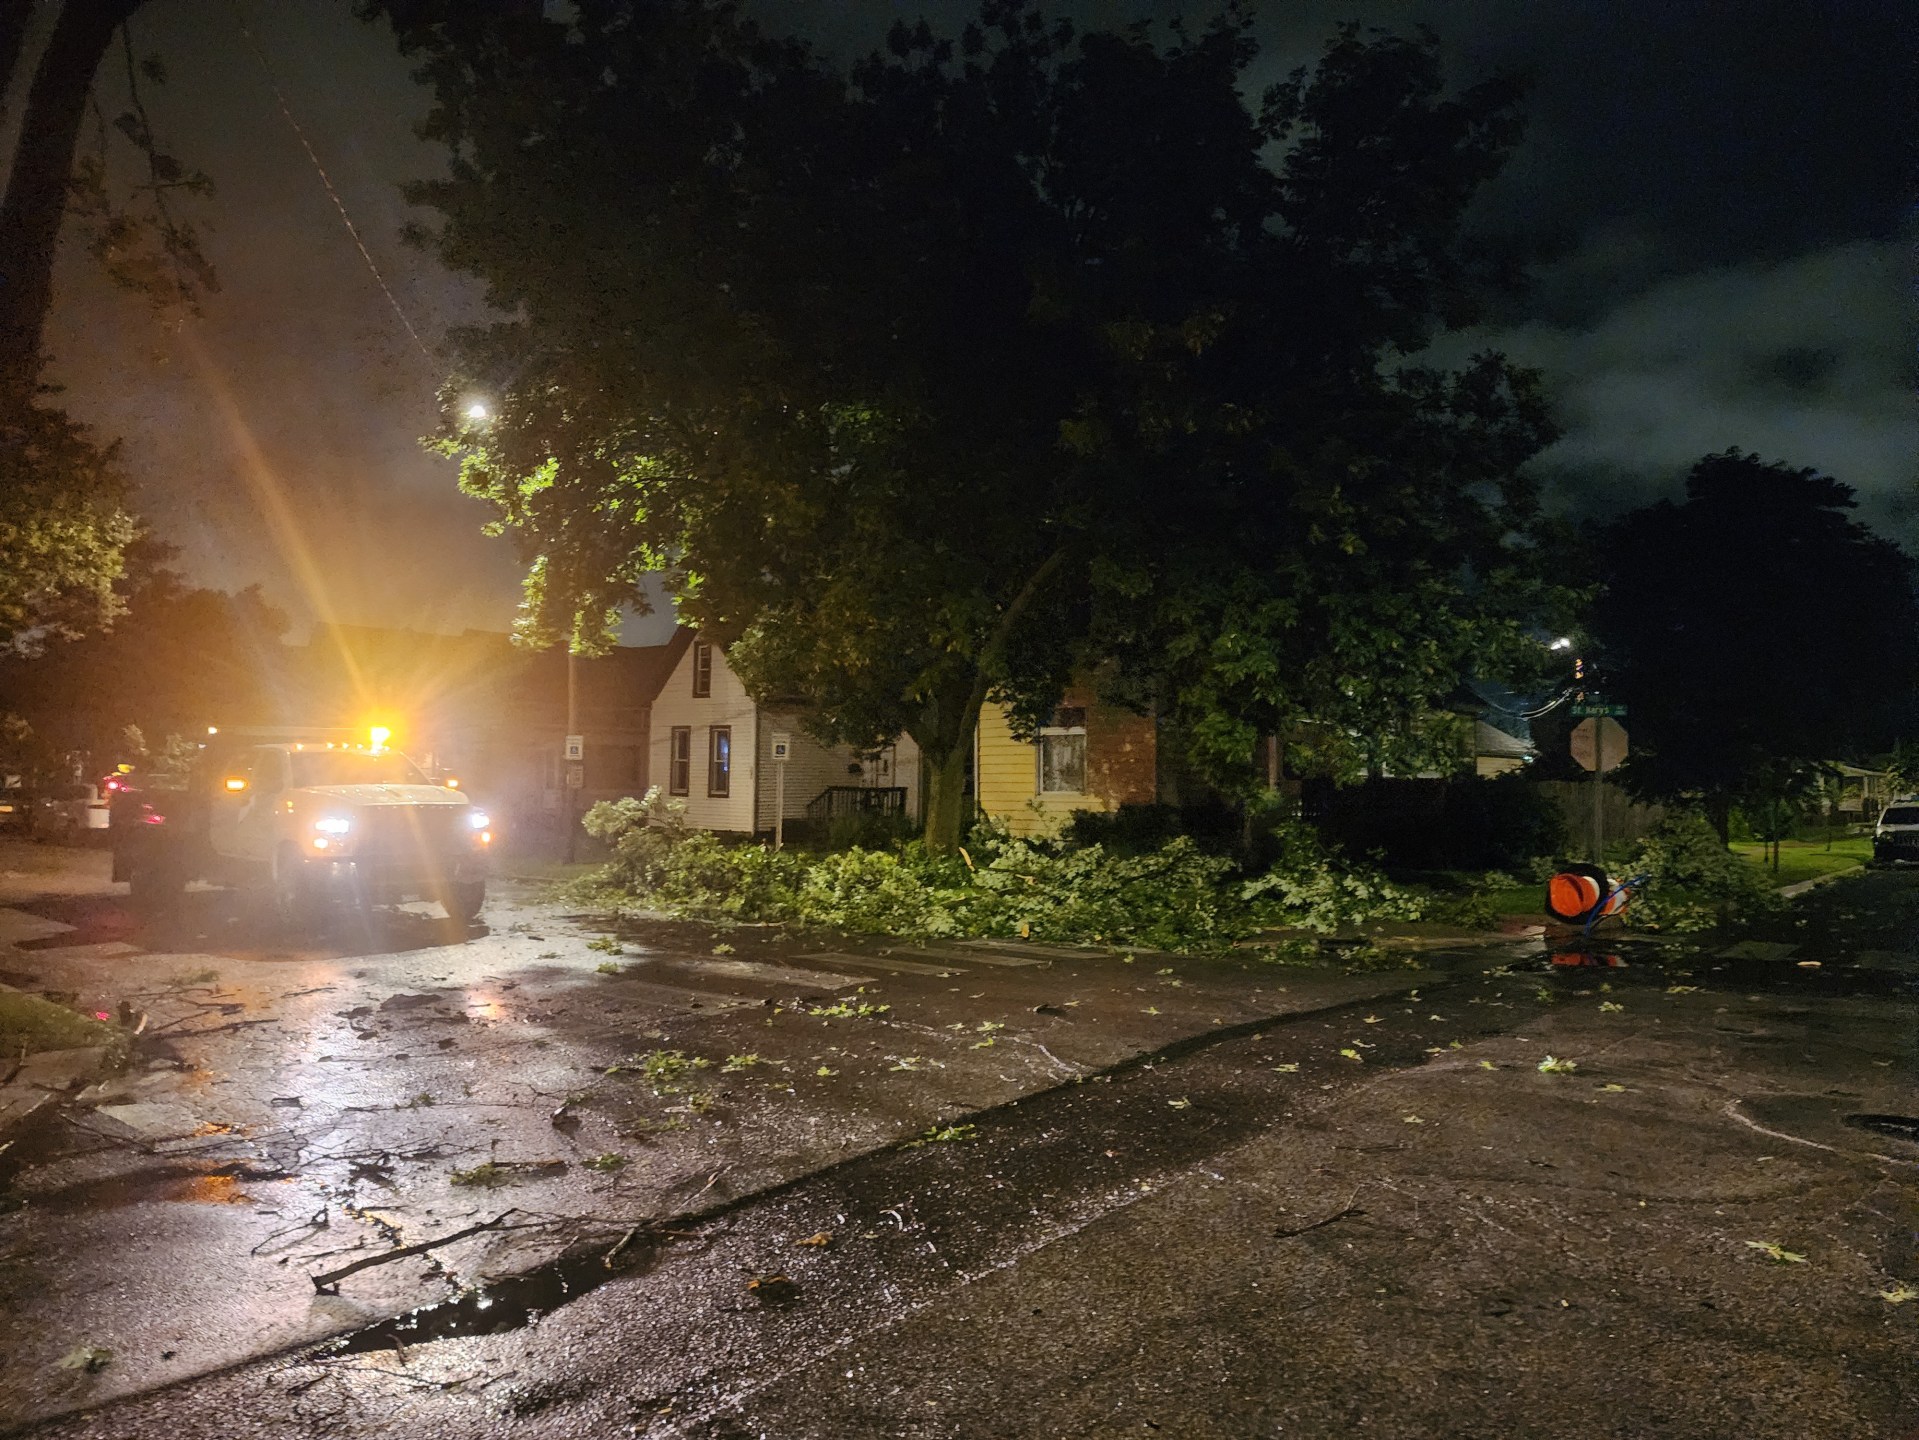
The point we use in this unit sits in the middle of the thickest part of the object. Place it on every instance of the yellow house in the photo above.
(1091, 757)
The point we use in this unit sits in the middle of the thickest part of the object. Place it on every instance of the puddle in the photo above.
(221, 1185)
(1899, 1127)
(1634, 962)
(499, 1306)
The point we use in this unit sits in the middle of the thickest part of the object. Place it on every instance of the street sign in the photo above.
(1599, 743)
(1585, 708)
(576, 777)
(782, 745)
(576, 747)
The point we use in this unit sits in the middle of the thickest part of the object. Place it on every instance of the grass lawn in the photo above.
(1518, 899)
(29, 1025)
(1808, 859)
(553, 872)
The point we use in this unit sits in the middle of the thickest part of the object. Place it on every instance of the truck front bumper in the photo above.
(385, 883)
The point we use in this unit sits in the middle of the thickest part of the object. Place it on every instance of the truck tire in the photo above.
(156, 886)
(462, 901)
(295, 905)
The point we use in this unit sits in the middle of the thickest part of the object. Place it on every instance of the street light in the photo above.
(477, 411)
(1564, 642)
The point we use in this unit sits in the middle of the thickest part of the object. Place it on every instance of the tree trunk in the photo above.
(947, 810)
(35, 200)
(1719, 816)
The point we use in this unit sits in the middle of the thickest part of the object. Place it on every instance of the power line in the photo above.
(338, 204)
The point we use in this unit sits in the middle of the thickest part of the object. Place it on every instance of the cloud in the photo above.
(1806, 361)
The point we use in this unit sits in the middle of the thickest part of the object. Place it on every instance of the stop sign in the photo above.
(1599, 740)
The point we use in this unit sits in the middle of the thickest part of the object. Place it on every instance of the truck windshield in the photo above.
(353, 767)
(1901, 815)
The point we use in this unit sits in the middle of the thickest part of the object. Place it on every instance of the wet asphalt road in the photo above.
(1165, 1197)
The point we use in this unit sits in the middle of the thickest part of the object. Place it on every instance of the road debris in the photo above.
(328, 1282)
(91, 1359)
(773, 1289)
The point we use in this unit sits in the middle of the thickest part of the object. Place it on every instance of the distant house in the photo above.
(1496, 750)
(712, 747)
(1091, 757)
(1862, 793)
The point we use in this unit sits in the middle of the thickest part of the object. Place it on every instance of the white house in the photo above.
(712, 746)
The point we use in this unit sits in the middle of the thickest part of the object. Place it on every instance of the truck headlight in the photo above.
(479, 820)
(333, 825)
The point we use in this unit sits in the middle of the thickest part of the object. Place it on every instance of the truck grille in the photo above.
(411, 837)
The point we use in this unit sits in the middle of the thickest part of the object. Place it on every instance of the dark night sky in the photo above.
(1719, 193)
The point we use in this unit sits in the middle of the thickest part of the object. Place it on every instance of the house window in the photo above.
(1062, 753)
(702, 669)
(719, 759)
(679, 761)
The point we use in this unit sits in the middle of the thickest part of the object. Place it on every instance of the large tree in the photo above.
(929, 382)
(63, 521)
(1754, 629)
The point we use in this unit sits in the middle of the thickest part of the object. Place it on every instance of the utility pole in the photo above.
(1599, 794)
(572, 729)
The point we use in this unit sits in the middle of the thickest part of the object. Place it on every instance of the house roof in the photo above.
(1489, 739)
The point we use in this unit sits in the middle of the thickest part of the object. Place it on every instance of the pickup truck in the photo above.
(304, 823)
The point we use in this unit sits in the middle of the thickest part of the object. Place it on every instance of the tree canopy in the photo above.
(990, 358)
(1755, 629)
(178, 657)
(63, 521)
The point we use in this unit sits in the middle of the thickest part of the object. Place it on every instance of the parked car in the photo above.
(67, 814)
(16, 811)
(1895, 839)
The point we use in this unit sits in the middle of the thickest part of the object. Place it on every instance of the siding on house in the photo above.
(1121, 768)
(810, 767)
(728, 705)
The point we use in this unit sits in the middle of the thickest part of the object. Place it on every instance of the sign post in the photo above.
(782, 747)
(1599, 744)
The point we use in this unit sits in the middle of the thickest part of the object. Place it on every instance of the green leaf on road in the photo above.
(1776, 1252)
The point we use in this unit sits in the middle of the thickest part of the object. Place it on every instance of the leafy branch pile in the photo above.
(1693, 882)
(1176, 897)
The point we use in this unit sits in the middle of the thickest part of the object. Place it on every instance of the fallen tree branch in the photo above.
(328, 1283)
(1351, 1212)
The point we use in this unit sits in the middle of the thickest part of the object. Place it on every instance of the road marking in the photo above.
(17, 925)
(980, 957)
(885, 962)
(788, 975)
(680, 997)
(1757, 950)
(1043, 952)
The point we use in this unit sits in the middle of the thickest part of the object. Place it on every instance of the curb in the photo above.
(1800, 887)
